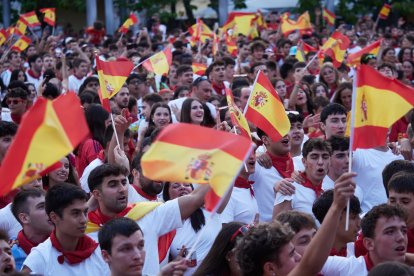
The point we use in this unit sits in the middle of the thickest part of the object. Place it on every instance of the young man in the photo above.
(297, 136)
(68, 251)
(137, 86)
(216, 74)
(333, 120)
(7, 265)
(34, 73)
(49, 62)
(257, 50)
(108, 185)
(393, 168)
(229, 65)
(316, 155)
(344, 240)
(184, 75)
(15, 62)
(80, 70)
(121, 98)
(18, 103)
(7, 132)
(28, 208)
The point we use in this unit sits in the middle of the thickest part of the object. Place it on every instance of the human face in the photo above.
(262, 68)
(302, 239)
(21, 76)
(149, 186)
(73, 220)
(61, 174)
(122, 97)
(203, 91)
(390, 240)
(390, 56)
(217, 74)
(127, 254)
(186, 78)
(183, 94)
(286, 49)
(93, 85)
(407, 55)
(320, 91)
(32, 92)
(288, 259)
(316, 165)
(258, 53)
(179, 189)
(244, 51)
(37, 218)
(135, 87)
(335, 125)
(7, 264)
(161, 117)
(281, 88)
(328, 74)
(49, 63)
(281, 147)
(229, 72)
(15, 60)
(346, 99)
(5, 143)
(353, 228)
(405, 201)
(339, 163)
(38, 65)
(386, 71)
(82, 70)
(244, 96)
(197, 113)
(146, 110)
(113, 194)
(31, 50)
(17, 106)
(301, 98)
(167, 96)
(408, 69)
(296, 134)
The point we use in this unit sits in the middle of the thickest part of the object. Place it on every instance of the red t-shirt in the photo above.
(96, 35)
(87, 152)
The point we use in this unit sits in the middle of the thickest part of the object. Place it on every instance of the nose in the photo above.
(137, 254)
(400, 236)
(83, 219)
(297, 257)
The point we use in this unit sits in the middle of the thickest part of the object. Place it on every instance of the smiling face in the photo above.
(161, 117)
(179, 189)
(61, 174)
(196, 113)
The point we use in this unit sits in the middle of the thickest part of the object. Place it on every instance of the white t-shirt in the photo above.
(74, 83)
(241, 207)
(158, 222)
(328, 184)
(5, 76)
(187, 236)
(341, 266)
(34, 81)
(369, 164)
(264, 180)
(298, 164)
(42, 260)
(8, 222)
(302, 200)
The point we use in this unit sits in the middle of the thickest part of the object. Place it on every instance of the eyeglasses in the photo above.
(368, 57)
(197, 81)
(240, 232)
(14, 101)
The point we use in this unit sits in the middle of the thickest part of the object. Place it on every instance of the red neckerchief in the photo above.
(410, 242)
(368, 262)
(245, 184)
(219, 88)
(342, 252)
(16, 118)
(84, 249)
(101, 155)
(308, 184)
(100, 219)
(144, 194)
(25, 243)
(164, 244)
(360, 249)
(33, 74)
(283, 164)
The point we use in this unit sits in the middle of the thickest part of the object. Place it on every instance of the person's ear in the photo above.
(53, 217)
(369, 243)
(269, 268)
(106, 256)
(24, 218)
(96, 193)
(322, 126)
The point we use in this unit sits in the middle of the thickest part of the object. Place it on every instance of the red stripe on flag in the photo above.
(265, 124)
(211, 200)
(377, 136)
(115, 68)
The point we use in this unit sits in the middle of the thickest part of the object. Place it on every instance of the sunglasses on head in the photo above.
(199, 79)
(240, 232)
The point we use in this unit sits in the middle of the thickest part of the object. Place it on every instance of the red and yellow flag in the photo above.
(132, 20)
(335, 47)
(302, 49)
(231, 45)
(3, 36)
(216, 44)
(266, 110)
(329, 17)
(200, 32)
(244, 21)
(378, 103)
(112, 76)
(237, 117)
(31, 19)
(49, 16)
(303, 24)
(207, 156)
(49, 131)
(355, 58)
(21, 26)
(21, 44)
(199, 68)
(160, 62)
(385, 11)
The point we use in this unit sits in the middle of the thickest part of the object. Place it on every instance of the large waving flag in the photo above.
(160, 62)
(329, 17)
(21, 44)
(385, 11)
(266, 110)
(50, 16)
(199, 68)
(132, 20)
(244, 21)
(21, 26)
(237, 117)
(31, 19)
(49, 131)
(355, 58)
(303, 24)
(231, 45)
(112, 76)
(200, 32)
(378, 102)
(335, 47)
(207, 156)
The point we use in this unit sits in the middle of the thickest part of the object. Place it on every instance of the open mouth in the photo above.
(285, 141)
(8, 268)
(320, 171)
(122, 198)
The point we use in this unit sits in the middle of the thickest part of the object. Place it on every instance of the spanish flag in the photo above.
(3, 36)
(329, 17)
(199, 68)
(385, 11)
(216, 44)
(112, 76)
(160, 62)
(200, 32)
(21, 44)
(266, 110)
(302, 49)
(260, 21)
(49, 16)
(21, 26)
(378, 102)
(207, 156)
(303, 24)
(237, 117)
(132, 20)
(355, 58)
(31, 19)
(49, 131)
(244, 21)
(335, 47)
(231, 45)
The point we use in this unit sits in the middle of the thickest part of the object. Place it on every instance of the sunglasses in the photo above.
(14, 101)
(240, 232)
(199, 79)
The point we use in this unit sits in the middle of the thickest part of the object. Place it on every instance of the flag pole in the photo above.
(312, 59)
(116, 135)
(244, 163)
(250, 96)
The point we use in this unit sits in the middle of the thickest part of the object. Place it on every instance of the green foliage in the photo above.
(76, 5)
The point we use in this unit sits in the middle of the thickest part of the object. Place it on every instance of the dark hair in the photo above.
(18, 84)
(320, 102)
(393, 168)
(402, 183)
(387, 65)
(32, 59)
(210, 68)
(77, 62)
(122, 226)
(228, 61)
(7, 128)
(151, 125)
(338, 143)
(96, 116)
(17, 93)
(401, 53)
(61, 196)
(295, 118)
(132, 102)
(4, 236)
(256, 45)
(133, 76)
(240, 82)
(152, 98)
(262, 243)
(332, 109)
(285, 69)
(51, 91)
(178, 90)
(87, 96)
(186, 110)
(315, 144)
(254, 65)
(296, 220)
(99, 173)
(183, 68)
(339, 90)
(369, 221)
(15, 75)
(71, 176)
(391, 269)
(86, 82)
(323, 203)
(215, 263)
(19, 204)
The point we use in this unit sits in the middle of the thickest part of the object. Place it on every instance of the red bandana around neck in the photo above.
(144, 194)
(31, 73)
(100, 219)
(16, 118)
(25, 243)
(84, 249)
(342, 252)
(308, 184)
(219, 88)
(245, 184)
(368, 262)
(283, 164)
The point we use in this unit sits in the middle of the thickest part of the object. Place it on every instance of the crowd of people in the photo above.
(98, 214)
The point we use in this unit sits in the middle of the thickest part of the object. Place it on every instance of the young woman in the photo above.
(343, 95)
(65, 173)
(18, 75)
(330, 77)
(408, 70)
(319, 89)
(192, 112)
(160, 117)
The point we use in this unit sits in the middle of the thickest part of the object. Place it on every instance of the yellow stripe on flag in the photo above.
(110, 85)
